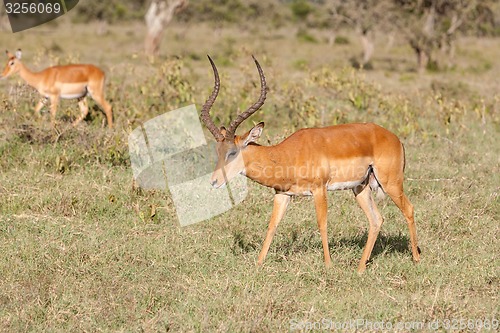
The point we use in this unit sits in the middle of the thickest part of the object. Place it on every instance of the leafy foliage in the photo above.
(111, 11)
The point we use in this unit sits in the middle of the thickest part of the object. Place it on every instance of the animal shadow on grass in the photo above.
(384, 243)
(299, 243)
(243, 243)
(27, 133)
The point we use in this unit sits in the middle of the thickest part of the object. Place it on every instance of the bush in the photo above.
(301, 9)
(111, 10)
(231, 11)
(341, 40)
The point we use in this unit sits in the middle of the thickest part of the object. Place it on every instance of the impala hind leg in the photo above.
(97, 93)
(84, 109)
(366, 202)
(54, 101)
(397, 195)
(107, 110)
(321, 216)
(281, 202)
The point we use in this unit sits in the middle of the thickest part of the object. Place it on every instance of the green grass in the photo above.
(83, 249)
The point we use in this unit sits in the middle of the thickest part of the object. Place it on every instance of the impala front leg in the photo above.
(321, 215)
(280, 204)
(84, 109)
(41, 103)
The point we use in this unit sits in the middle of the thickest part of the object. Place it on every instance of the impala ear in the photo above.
(223, 131)
(18, 54)
(253, 134)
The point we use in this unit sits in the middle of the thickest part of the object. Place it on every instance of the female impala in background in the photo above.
(68, 82)
(312, 161)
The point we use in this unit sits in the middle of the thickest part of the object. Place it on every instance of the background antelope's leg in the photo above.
(97, 93)
(41, 103)
(107, 109)
(54, 101)
(82, 103)
(366, 202)
(321, 206)
(400, 199)
(281, 202)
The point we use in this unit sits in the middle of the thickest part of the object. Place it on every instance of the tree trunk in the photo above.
(368, 47)
(158, 16)
(423, 59)
(4, 21)
(424, 43)
(423, 52)
(390, 40)
(331, 38)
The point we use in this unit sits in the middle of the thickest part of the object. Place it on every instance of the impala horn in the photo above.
(251, 110)
(205, 111)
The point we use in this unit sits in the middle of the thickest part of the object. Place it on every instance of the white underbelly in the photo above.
(343, 185)
(306, 193)
(333, 185)
(69, 90)
(330, 187)
(73, 95)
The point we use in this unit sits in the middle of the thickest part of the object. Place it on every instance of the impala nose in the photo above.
(213, 182)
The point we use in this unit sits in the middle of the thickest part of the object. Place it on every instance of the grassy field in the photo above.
(83, 249)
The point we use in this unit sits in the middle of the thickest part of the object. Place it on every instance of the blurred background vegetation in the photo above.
(429, 26)
(84, 250)
(483, 16)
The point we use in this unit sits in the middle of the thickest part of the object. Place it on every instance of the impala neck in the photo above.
(261, 164)
(31, 78)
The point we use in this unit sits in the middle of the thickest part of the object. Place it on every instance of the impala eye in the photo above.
(11, 63)
(231, 154)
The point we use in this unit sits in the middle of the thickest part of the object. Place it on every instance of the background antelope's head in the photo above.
(12, 65)
(230, 147)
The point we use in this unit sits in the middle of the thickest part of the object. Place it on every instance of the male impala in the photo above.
(312, 161)
(68, 82)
